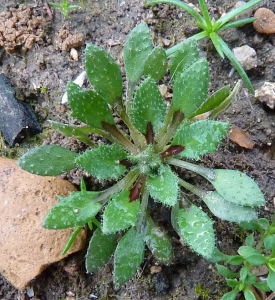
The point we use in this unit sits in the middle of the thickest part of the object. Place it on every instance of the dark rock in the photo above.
(161, 283)
(17, 119)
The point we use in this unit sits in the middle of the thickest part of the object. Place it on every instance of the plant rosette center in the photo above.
(147, 161)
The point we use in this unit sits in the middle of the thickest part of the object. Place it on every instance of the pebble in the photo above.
(265, 22)
(247, 56)
(79, 81)
(74, 54)
(266, 94)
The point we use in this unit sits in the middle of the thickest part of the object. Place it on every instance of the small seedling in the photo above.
(210, 29)
(64, 7)
(142, 156)
(254, 254)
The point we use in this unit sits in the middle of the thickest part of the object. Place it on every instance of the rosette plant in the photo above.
(142, 155)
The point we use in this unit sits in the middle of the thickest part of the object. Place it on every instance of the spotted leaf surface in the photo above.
(48, 160)
(237, 187)
(103, 162)
(136, 50)
(73, 131)
(77, 209)
(156, 64)
(196, 228)
(103, 73)
(148, 106)
(190, 88)
(200, 138)
(159, 243)
(101, 248)
(164, 186)
(228, 211)
(88, 106)
(128, 256)
(184, 57)
(120, 214)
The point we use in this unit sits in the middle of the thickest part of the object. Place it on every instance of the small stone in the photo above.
(26, 248)
(266, 94)
(247, 57)
(155, 269)
(265, 22)
(74, 54)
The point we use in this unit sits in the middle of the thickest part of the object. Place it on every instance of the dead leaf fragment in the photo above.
(239, 137)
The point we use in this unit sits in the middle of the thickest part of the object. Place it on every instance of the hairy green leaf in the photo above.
(73, 131)
(235, 260)
(200, 138)
(128, 256)
(196, 228)
(159, 243)
(120, 214)
(164, 186)
(252, 255)
(271, 280)
(148, 106)
(48, 160)
(271, 263)
(269, 242)
(136, 50)
(156, 64)
(103, 73)
(249, 241)
(230, 295)
(248, 295)
(103, 162)
(101, 247)
(88, 106)
(226, 210)
(184, 57)
(237, 187)
(77, 209)
(190, 88)
(226, 272)
(262, 286)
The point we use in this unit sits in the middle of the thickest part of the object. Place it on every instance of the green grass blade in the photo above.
(238, 23)
(237, 11)
(215, 41)
(71, 239)
(183, 6)
(235, 63)
(205, 13)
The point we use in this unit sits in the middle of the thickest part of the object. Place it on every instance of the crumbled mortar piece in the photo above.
(66, 41)
(26, 248)
(266, 94)
(247, 57)
(265, 22)
(21, 27)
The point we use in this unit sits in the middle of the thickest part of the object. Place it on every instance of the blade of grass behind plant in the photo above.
(234, 62)
(184, 6)
(214, 38)
(205, 14)
(238, 23)
(235, 12)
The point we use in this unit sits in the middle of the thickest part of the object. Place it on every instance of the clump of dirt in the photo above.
(66, 40)
(21, 27)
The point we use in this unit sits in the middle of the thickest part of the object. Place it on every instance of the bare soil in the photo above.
(40, 71)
